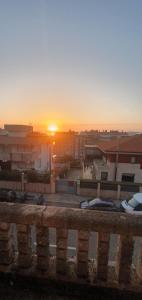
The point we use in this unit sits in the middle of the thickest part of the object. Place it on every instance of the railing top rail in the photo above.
(70, 218)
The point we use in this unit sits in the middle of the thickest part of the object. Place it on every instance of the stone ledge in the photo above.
(67, 218)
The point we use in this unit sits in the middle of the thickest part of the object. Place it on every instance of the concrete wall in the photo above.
(122, 168)
(126, 195)
(109, 167)
(28, 187)
(79, 268)
(108, 194)
(37, 188)
(87, 192)
(129, 168)
(13, 185)
(112, 190)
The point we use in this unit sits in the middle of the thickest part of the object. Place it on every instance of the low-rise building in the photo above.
(24, 153)
(17, 130)
(91, 137)
(119, 159)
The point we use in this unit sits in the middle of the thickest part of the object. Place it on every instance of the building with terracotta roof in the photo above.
(119, 159)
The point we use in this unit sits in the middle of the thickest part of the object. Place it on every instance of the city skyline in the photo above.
(71, 63)
(53, 127)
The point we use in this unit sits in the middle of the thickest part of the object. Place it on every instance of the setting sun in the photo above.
(52, 128)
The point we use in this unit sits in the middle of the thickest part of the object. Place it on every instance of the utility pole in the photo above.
(52, 175)
(117, 159)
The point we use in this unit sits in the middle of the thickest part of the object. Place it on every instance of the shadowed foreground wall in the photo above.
(22, 260)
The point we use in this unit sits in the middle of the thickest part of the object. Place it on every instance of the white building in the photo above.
(117, 160)
(25, 153)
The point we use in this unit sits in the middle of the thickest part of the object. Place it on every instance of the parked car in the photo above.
(30, 198)
(7, 195)
(99, 204)
(40, 200)
(133, 206)
(20, 197)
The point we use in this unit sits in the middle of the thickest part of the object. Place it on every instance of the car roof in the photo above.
(138, 197)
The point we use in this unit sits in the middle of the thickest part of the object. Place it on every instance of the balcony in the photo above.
(22, 261)
(21, 157)
(4, 156)
(100, 164)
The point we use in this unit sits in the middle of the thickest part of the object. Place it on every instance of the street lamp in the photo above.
(52, 177)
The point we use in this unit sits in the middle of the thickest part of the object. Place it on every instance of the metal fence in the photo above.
(113, 186)
(66, 186)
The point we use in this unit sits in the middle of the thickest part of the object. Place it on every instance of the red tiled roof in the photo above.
(132, 144)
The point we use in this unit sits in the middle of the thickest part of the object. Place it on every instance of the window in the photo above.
(128, 177)
(138, 207)
(104, 176)
(133, 202)
(133, 159)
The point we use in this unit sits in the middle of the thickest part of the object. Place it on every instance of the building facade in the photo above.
(117, 160)
(64, 144)
(24, 153)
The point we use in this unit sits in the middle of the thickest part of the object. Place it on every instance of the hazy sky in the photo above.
(71, 62)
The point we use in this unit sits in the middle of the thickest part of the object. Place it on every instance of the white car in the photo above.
(134, 205)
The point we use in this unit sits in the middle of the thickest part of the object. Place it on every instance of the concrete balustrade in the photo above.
(140, 265)
(24, 246)
(102, 255)
(61, 251)
(82, 254)
(6, 247)
(124, 258)
(42, 237)
(63, 220)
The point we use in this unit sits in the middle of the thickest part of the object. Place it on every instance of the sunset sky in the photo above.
(75, 63)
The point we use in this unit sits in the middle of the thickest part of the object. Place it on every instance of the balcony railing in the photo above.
(18, 255)
(21, 157)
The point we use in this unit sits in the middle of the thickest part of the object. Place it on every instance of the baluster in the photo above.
(61, 251)
(124, 258)
(24, 246)
(102, 255)
(82, 254)
(6, 249)
(139, 267)
(42, 248)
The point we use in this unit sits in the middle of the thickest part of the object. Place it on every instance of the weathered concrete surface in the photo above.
(19, 288)
(69, 218)
(81, 270)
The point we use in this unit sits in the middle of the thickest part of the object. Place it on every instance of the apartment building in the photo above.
(24, 153)
(17, 130)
